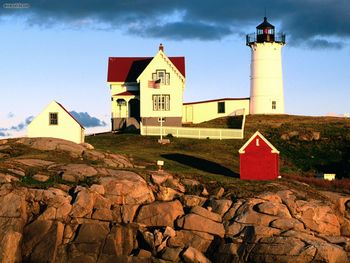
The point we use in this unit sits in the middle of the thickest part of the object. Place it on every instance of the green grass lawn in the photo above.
(218, 160)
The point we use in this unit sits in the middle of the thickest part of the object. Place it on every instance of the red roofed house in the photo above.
(147, 89)
(259, 159)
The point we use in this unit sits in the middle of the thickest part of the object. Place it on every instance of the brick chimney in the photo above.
(161, 47)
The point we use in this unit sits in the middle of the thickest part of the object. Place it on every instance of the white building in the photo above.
(56, 122)
(147, 89)
(266, 82)
(150, 89)
(201, 111)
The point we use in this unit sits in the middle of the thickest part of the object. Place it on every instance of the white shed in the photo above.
(56, 122)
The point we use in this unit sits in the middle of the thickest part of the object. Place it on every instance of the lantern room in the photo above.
(265, 32)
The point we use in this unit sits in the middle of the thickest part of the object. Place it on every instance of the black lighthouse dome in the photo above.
(265, 32)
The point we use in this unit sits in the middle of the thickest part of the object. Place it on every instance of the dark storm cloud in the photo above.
(313, 23)
(86, 120)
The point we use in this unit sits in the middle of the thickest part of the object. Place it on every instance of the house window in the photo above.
(161, 102)
(221, 107)
(53, 118)
(274, 105)
(161, 75)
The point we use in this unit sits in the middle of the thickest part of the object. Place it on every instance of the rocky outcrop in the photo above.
(104, 214)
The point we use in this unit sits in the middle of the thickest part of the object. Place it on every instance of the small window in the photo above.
(221, 107)
(161, 102)
(274, 105)
(161, 119)
(53, 118)
(162, 76)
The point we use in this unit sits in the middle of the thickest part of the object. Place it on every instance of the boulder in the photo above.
(192, 255)
(190, 182)
(281, 249)
(92, 232)
(198, 210)
(287, 224)
(198, 240)
(167, 194)
(160, 177)
(121, 240)
(51, 144)
(220, 206)
(232, 211)
(192, 200)
(234, 229)
(13, 205)
(160, 214)
(77, 171)
(83, 204)
(10, 247)
(45, 250)
(102, 215)
(34, 162)
(125, 187)
(171, 254)
(7, 178)
(199, 223)
(246, 214)
(318, 217)
(218, 192)
(274, 209)
(41, 177)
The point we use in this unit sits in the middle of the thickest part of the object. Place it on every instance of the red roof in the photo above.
(128, 69)
(128, 93)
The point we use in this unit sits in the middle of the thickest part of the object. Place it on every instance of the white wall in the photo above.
(205, 111)
(175, 89)
(266, 81)
(67, 128)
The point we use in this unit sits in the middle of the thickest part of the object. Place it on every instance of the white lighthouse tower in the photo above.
(266, 82)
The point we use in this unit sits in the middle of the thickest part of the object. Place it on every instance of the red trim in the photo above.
(205, 101)
(70, 114)
(128, 69)
(128, 93)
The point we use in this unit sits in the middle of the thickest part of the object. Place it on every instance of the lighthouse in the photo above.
(266, 82)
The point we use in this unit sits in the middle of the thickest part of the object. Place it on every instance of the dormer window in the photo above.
(161, 75)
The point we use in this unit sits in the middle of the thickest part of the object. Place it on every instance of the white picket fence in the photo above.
(195, 133)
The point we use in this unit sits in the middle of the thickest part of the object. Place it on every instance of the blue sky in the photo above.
(58, 50)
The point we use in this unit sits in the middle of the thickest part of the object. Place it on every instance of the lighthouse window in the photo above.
(274, 105)
(221, 107)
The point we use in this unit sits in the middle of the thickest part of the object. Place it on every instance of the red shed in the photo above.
(259, 159)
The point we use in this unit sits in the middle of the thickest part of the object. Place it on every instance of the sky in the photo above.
(59, 49)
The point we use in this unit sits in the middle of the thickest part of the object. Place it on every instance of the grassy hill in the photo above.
(307, 145)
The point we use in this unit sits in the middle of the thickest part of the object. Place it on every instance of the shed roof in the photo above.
(128, 69)
(257, 133)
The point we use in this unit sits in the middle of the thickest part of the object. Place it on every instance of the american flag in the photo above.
(154, 84)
